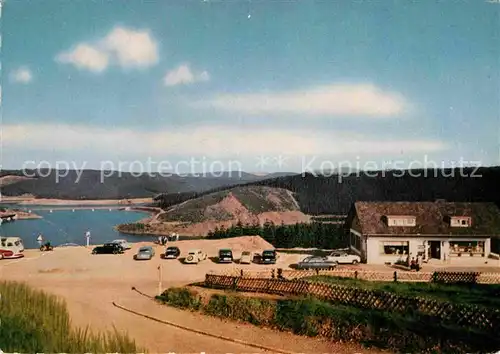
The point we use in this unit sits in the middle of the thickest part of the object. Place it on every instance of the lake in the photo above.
(66, 226)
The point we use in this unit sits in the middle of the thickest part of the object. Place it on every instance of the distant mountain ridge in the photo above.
(115, 184)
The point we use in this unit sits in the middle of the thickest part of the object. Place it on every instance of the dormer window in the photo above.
(460, 221)
(401, 220)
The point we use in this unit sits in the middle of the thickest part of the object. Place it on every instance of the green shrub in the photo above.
(33, 322)
(181, 297)
(403, 332)
(252, 310)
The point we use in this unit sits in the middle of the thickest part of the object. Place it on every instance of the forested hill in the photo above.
(95, 184)
(332, 195)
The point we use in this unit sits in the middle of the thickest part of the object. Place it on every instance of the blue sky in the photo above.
(257, 82)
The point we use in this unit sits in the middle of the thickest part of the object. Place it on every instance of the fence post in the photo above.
(317, 271)
(395, 276)
(241, 273)
(280, 273)
(355, 274)
(234, 283)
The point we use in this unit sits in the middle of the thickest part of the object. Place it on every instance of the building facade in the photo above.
(388, 232)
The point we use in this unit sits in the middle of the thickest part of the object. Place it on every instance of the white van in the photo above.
(11, 247)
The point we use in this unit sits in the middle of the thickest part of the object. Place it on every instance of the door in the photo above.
(435, 249)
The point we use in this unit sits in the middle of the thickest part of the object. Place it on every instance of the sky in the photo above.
(260, 86)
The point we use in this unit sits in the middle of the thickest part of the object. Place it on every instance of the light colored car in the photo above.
(144, 253)
(125, 245)
(312, 262)
(343, 258)
(246, 257)
(195, 256)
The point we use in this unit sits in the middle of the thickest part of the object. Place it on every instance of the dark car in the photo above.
(268, 257)
(316, 263)
(172, 252)
(225, 255)
(108, 248)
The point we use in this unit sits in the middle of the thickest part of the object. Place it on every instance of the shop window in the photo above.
(464, 248)
(394, 247)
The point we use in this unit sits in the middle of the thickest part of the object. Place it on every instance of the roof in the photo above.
(432, 218)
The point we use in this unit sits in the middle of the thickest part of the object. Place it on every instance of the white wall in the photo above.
(373, 249)
(374, 256)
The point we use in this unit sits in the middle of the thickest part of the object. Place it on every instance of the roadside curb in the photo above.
(237, 341)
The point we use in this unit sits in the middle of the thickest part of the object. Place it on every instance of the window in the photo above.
(460, 248)
(356, 241)
(401, 221)
(394, 247)
(460, 221)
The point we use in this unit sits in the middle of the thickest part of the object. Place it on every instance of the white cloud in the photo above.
(85, 56)
(183, 75)
(124, 47)
(213, 141)
(336, 99)
(132, 48)
(21, 75)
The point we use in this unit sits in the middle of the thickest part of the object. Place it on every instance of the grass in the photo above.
(408, 333)
(35, 322)
(475, 294)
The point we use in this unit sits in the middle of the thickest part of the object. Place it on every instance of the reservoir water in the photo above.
(67, 226)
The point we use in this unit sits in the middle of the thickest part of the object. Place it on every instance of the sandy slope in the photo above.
(90, 284)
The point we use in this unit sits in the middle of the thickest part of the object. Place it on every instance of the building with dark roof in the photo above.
(387, 232)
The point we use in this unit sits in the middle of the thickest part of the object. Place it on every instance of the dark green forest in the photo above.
(318, 235)
(317, 194)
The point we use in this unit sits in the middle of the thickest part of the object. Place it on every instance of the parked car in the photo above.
(344, 258)
(8, 254)
(269, 257)
(11, 247)
(225, 255)
(123, 243)
(144, 253)
(172, 252)
(245, 257)
(313, 262)
(195, 256)
(108, 248)
(257, 258)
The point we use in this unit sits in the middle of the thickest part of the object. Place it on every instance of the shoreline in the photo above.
(64, 202)
(22, 215)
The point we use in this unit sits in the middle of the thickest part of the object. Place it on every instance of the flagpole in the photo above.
(159, 279)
